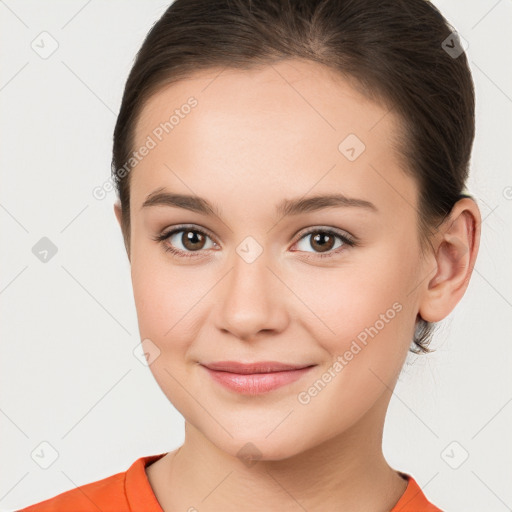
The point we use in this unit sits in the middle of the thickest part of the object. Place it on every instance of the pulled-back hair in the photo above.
(400, 53)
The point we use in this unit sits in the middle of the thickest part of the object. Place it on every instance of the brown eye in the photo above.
(322, 241)
(192, 240)
(186, 241)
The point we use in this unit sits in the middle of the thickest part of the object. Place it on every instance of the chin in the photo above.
(252, 448)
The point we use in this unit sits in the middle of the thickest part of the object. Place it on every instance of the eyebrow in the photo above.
(288, 207)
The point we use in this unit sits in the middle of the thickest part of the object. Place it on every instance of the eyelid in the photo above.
(319, 228)
(184, 227)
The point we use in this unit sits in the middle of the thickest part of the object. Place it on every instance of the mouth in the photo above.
(255, 378)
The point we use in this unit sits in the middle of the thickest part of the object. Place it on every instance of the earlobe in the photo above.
(456, 251)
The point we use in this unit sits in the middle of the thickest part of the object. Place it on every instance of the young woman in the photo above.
(291, 195)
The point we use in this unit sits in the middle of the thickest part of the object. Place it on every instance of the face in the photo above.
(266, 272)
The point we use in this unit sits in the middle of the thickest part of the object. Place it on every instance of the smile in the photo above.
(255, 378)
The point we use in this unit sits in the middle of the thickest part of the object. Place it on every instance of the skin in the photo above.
(255, 138)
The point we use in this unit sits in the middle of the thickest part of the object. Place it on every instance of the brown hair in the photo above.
(394, 51)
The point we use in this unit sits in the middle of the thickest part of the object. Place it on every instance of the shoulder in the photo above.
(413, 499)
(106, 495)
(121, 491)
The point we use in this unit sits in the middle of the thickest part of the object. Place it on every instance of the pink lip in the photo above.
(255, 378)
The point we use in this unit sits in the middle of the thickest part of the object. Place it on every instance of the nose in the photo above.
(252, 300)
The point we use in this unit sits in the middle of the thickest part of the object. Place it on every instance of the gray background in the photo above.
(69, 377)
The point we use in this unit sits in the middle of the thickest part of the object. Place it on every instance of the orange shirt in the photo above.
(130, 491)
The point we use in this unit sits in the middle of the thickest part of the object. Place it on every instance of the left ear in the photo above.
(456, 248)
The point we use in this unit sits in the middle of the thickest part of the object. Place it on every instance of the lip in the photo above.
(255, 378)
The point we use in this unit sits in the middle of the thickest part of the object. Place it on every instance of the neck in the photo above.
(346, 472)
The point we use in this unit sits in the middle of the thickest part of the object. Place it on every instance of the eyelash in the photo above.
(345, 238)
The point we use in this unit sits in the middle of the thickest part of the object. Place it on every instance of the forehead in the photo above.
(293, 125)
(304, 97)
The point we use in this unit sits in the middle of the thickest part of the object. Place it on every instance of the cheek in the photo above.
(164, 299)
(367, 293)
(164, 296)
(370, 321)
